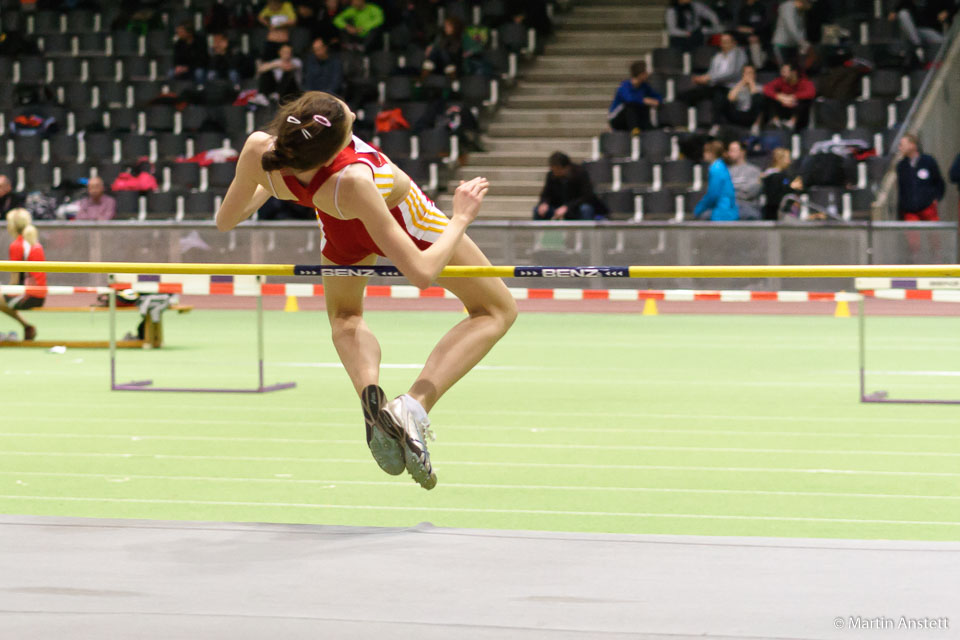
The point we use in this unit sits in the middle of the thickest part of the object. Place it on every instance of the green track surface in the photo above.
(701, 424)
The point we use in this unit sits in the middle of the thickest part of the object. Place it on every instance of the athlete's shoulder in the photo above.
(257, 142)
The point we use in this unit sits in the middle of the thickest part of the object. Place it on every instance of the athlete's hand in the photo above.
(468, 197)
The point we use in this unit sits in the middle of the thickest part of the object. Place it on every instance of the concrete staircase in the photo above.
(560, 101)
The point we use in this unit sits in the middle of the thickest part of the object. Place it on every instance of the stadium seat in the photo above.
(135, 67)
(396, 144)
(382, 63)
(198, 206)
(705, 116)
(493, 12)
(63, 148)
(234, 120)
(658, 205)
(690, 201)
(434, 143)
(67, 69)
(474, 90)
(128, 204)
(99, 146)
(33, 69)
(673, 115)
(184, 176)
(111, 94)
(125, 43)
(621, 204)
(159, 118)
(72, 172)
(91, 43)
(398, 88)
(655, 145)
(885, 83)
(399, 37)
(27, 149)
(39, 177)
(600, 172)
(162, 204)
(77, 95)
(102, 69)
(56, 44)
(701, 57)
(677, 173)
(858, 133)
(872, 114)
(636, 173)
(876, 167)
(667, 61)
(88, 119)
(830, 114)
(134, 146)
(47, 22)
(861, 202)
(122, 120)
(615, 144)
(220, 174)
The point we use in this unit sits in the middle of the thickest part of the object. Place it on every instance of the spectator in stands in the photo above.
(779, 181)
(8, 199)
(19, 225)
(97, 205)
(322, 70)
(746, 180)
(225, 63)
(534, 15)
(189, 54)
(743, 104)
(568, 193)
(282, 78)
(630, 109)
(788, 99)
(689, 23)
(753, 26)
(445, 54)
(923, 21)
(719, 203)
(919, 181)
(279, 18)
(359, 24)
(319, 17)
(789, 36)
(726, 68)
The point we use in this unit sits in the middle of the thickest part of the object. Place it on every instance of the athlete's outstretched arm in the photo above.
(245, 194)
(359, 198)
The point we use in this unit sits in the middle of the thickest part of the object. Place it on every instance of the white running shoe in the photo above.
(413, 442)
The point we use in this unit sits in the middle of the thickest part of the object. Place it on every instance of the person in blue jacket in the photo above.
(630, 109)
(719, 203)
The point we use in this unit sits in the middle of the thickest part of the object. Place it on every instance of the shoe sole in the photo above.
(386, 449)
(416, 468)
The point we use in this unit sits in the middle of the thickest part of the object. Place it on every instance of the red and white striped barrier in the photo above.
(41, 292)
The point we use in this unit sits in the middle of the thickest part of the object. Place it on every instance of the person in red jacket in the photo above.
(25, 247)
(788, 99)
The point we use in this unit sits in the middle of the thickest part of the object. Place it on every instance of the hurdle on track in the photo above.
(929, 289)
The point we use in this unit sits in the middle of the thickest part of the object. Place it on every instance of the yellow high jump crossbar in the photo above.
(711, 271)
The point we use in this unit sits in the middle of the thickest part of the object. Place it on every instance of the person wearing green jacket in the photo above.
(358, 23)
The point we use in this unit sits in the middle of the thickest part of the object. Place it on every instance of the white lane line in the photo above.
(475, 463)
(493, 445)
(549, 512)
(512, 429)
(444, 414)
(332, 483)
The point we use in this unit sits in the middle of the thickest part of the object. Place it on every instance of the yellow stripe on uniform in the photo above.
(415, 219)
(424, 217)
(427, 208)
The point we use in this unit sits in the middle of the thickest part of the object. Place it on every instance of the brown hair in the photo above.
(715, 148)
(915, 139)
(309, 130)
(638, 68)
(781, 158)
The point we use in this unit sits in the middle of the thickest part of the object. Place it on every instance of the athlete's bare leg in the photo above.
(13, 313)
(357, 346)
(492, 310)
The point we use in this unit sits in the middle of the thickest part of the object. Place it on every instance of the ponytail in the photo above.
(271, 161)
(30, 234)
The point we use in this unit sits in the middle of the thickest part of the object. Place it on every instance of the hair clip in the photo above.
(306, 134)
(319, 119)
(293, 120)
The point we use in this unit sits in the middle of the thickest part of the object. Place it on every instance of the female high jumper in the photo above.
(367, 206)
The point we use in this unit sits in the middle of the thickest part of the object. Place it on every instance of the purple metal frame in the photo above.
(147, 385)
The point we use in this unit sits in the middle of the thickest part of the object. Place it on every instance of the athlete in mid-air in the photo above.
(367, 206)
